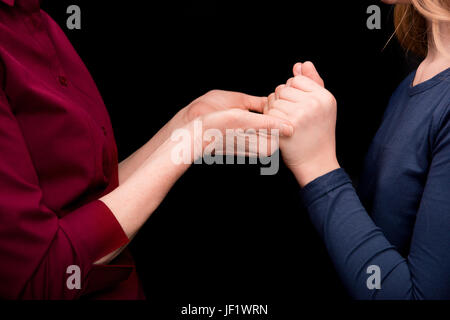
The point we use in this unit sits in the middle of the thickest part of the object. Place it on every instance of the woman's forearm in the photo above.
(128, 166)
(144, 189)
(137, 198)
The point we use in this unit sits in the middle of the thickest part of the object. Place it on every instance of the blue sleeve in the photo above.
(354, 242)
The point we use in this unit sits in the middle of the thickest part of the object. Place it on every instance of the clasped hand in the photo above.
(302, 110)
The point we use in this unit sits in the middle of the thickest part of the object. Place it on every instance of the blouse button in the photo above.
(63, 81)
(104, 130)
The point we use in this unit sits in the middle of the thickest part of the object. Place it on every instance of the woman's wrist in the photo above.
(180, 119)
(134, 161)
(183, 143)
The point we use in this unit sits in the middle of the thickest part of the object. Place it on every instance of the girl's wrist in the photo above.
(307, 172)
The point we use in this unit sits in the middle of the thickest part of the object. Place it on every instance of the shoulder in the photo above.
(442, 100)
(441, 127)
(443, 115)
(398, 96)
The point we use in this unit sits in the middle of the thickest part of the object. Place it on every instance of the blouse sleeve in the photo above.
(354, 242)
(36, 246)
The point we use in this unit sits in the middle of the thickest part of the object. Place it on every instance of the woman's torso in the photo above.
(397, 163)
(63, 121)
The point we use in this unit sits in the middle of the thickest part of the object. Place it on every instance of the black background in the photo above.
(225, 234)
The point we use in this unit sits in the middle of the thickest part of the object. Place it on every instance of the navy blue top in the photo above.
(399, 219)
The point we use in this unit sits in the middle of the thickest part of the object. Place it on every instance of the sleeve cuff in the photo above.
(94, 231)
(322, 185)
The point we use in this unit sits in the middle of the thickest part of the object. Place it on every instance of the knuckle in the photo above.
(213, 92)
(300, 118)
(193, 113)
(321, 82)
(332, 99)
(271, 98)
(329, 100)
(314, 102)
(283, 92)
(289, 82)
(279, 88)
(298, 80)
(276, 104)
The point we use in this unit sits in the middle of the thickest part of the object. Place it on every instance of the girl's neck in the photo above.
(436, 60)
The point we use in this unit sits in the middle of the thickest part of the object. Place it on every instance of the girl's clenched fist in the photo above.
(311, 151)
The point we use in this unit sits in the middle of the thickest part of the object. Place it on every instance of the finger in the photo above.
(244, 101)
(266, 107)
(278, 113)
(243, 142)
(290, 94)
(310, 71)
(267, 145)
(261, 121)
(277, 89)
(270, 99)
(297, 69)
(283, 106)
(248, 144)
(305, 84)
(289, 82)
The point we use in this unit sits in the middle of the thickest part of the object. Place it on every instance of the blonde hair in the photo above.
(419, 20)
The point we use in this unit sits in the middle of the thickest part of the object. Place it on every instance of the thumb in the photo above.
(310, 71)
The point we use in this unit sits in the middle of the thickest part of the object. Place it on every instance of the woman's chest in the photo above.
(60, 112)
(395, 172)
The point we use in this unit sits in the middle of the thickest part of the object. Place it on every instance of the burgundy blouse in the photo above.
(57, 158)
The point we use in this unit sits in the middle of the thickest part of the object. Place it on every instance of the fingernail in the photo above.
(286, 130)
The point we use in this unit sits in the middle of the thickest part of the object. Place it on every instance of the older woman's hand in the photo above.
(221, 100)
